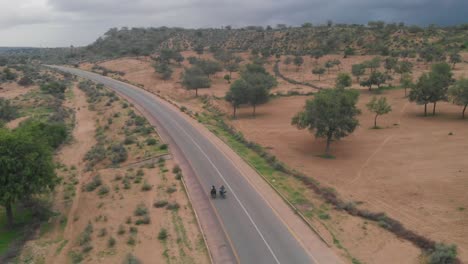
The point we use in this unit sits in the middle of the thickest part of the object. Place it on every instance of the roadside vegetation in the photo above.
(214, 74)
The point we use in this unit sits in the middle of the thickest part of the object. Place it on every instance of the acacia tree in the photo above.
(375, 78)
(455, 58)
(331, 115)
(318, 71)
(358, 70)
(421, 92)
(26, 169)
(390, 63)
(298, 61)
(378, 107)
(163, 69)
(209, 67)
(194, 78)
(329, 64)
(459, 94)
(238, 94)
(257, 94)
(343, 80)
(441, 77)
(317, 54)
(403, 67)
(406, 81)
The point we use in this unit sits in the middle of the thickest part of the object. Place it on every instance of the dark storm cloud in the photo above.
(78, 22)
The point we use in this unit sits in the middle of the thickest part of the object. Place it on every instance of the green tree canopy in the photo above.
(52, 133)
(421, 92)
(238, 94)
(458, 93)
(26, 168)
(358, 70)
(209, 67)
(441, 77)
(298, 61)
(256, 75)
(455, 58)
(378, 107)
(403, 67)
(194, 78)
(318, 71)
(406, 81)
(343, 80)
(8, 111)
(331, 114)
(163, 69)
(375, 78)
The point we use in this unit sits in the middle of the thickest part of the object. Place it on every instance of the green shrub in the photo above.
(163, 147)
(151, 141)
(145, 220)
(85, 236)
(119, 153)
(141, 210)
(172, 206)
(443, 254)
(160, 203)
(7, 110)
(133, 230)
(111, 242)
(102, 232)
(130, 259)
(129, 140)
(121, 230)
(103, 190)
(162, 234)
(171, 189)
(176, 169)
(93, 184)
(131, 241)
(76, 257)
(146, 187)
(53, 133)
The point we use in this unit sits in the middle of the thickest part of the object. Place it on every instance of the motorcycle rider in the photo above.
(213, 191)
(222, 190)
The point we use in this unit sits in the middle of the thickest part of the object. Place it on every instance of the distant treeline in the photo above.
(377, 38)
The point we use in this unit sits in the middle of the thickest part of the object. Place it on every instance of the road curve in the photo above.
(254, 230)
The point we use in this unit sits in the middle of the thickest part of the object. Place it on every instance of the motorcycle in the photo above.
(213, 193)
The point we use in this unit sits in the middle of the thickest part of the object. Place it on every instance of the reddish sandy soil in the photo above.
(184, 243)
(11, 90)
(412, 169)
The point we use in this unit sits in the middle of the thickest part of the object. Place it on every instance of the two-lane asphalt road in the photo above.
(255, 231)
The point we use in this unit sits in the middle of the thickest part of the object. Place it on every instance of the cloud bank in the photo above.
(52, 23)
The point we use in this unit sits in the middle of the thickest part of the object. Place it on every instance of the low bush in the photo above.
(7, 110)
(130, 259)
(93, 184)
(176, 169)
(151, 141)
(145, 220)
(443, 254)
(173, 206)
(146, 187)
(162, 234)
(103, 190)
(141, 210)
(121, 230)
(111, 242)
(160, 203)
(118, 153)
(163, 147)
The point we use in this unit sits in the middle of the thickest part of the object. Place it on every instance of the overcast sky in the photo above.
(52, 23)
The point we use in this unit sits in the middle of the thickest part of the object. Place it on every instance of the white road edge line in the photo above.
(232, 191)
